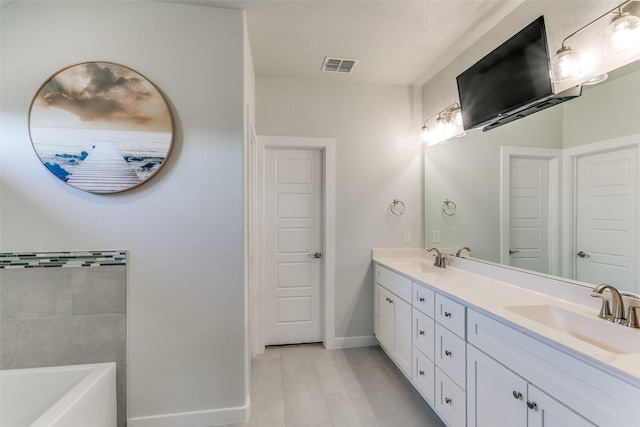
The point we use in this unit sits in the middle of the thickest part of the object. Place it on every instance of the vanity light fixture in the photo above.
(623, 34)
(442, 126)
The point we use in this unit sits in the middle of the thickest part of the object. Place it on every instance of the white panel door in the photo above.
(529, 214)
(293, 246)
(607, 218)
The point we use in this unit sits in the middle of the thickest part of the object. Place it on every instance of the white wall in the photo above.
(249, 155)
(605, 111)
(183, 229)
(378, 157)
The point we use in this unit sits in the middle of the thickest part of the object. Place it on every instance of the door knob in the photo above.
(581, 254)
(316, 255)
(511, 251)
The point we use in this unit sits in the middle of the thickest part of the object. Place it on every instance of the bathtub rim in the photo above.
(96, 373)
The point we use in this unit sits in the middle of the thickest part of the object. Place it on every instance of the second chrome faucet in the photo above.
(439, 260)
(616, 313)
(616, 300)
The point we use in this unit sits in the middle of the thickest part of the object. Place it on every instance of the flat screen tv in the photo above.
(513, 75)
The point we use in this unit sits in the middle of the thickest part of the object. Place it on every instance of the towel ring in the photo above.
(449, 208)
(397, 207)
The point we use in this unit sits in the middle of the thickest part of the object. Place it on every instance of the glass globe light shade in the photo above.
(439, 131)
(565, 65)
(623, 34)
(456, 117)
(425, 134)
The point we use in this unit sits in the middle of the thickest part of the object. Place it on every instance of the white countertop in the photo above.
(492, 297)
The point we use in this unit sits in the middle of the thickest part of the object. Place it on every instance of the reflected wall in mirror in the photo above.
(497, 181)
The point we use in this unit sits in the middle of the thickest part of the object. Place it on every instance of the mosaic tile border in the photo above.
(62, 259)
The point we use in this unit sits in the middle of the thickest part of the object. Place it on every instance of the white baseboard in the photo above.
(350, 342)
(213, 417)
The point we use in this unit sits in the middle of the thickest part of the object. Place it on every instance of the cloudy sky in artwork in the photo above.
(100, 96)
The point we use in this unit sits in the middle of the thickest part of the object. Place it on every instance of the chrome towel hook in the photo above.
(449, 208)
(397, 207)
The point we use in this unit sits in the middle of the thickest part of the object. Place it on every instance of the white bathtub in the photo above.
(78, 396)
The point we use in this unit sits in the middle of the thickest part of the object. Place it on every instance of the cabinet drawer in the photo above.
(451, 401)
(396, 283)
(451, 315)
(423, 333)
(424, 376)
(451, 355)
(424, 299)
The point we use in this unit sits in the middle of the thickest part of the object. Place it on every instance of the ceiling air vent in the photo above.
(339, 65)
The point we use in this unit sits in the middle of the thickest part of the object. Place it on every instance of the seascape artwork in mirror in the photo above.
(554, 193)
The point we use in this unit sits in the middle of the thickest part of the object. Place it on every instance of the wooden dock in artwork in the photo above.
(104, 171)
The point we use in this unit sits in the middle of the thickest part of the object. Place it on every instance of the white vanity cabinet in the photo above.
(477, 369)
(393, 317)
(500, 398)
(436, 340)
(515, 380)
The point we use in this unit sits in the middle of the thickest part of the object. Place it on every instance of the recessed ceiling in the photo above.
(397, 42)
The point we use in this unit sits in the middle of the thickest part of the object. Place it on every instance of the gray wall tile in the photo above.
(8, 343)
(70, 340)
(99, 290)
(121, 391)
(65, 316)
(41, 292)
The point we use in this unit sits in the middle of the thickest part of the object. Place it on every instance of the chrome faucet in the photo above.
(440, 260)
(463, 249)
(616, 301)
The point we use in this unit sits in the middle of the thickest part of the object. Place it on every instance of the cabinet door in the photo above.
(394, 327)
(545, 411)
(496, 396)
(402, 334)
(385, 318)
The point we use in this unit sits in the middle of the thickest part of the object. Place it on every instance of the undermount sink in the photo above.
(593, 330)
(422, 267)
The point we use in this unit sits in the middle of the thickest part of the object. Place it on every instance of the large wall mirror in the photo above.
(554, 193)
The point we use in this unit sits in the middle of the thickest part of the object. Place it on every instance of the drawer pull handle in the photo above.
(447, 314)
(421, 372)
(448, 353)
(517, 395)
(532, 405)
(447, 400)
(421, 299)
(421, 332)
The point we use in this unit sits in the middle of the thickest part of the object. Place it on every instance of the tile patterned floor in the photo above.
(307, 385)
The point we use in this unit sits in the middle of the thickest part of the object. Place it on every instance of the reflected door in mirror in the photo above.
(529, 214)
(606, 218)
